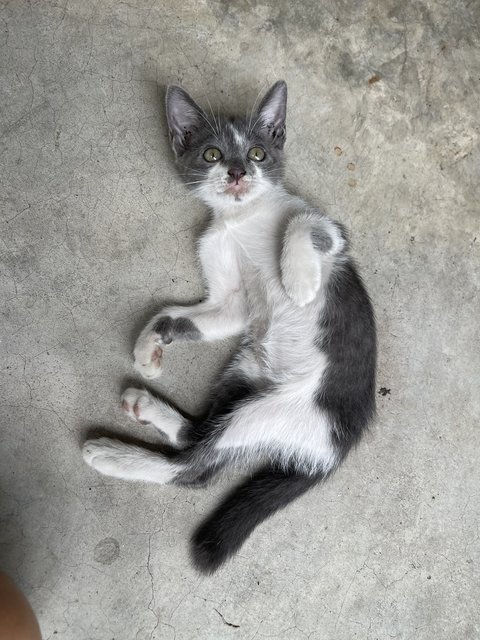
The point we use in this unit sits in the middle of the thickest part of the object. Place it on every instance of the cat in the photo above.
(300, 390)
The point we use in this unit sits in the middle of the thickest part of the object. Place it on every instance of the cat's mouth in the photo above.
(237, 189)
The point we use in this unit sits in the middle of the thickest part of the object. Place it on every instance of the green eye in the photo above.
(257, 154)
(212, 155)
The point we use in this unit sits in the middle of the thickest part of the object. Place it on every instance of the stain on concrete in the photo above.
(106, 551)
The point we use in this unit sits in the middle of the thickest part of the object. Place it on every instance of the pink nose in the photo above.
(236, 174)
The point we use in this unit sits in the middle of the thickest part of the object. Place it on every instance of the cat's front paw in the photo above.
(147, 355)
(300, 267)
(302, 283)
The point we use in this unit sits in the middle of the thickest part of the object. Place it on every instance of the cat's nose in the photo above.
(236, 174)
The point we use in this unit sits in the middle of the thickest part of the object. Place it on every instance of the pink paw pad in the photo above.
(157, 356)
(136, 411)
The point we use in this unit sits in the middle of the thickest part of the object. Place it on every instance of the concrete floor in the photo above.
(96, 231)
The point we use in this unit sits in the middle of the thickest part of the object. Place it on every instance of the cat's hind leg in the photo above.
(284, 428)
(121, 460)
(197, 461)
(142, 406)
(189, 467)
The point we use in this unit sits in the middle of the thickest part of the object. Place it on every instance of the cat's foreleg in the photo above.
(206, 321)
(310, 239)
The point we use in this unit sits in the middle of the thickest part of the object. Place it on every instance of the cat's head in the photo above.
(228, 161)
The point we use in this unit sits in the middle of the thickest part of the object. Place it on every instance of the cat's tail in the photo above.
(259, 497)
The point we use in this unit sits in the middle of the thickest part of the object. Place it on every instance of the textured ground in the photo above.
(96, 231)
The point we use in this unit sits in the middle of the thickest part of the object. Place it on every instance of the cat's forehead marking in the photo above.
(237, 136)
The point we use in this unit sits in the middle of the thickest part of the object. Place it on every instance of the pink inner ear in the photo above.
(274, 106)
(271, 115)
(183, 116)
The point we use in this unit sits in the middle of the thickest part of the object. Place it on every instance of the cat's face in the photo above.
(228, 161)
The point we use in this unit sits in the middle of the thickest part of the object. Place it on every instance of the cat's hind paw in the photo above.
(137, 404)
(106, 455)
(142, 406)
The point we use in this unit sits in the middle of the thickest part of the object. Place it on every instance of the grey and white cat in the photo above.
(300, 390)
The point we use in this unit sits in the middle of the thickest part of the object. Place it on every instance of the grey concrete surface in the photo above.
(97, 231)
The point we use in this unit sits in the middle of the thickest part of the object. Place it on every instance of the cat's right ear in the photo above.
(184, 118)
(272, 113)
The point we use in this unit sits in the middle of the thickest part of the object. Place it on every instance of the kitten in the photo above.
(300, 390)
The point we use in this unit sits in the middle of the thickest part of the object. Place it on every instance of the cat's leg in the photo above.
(118, 459)
(291, 434)
(193, 466)
(206, 321)
(142, 406)
(255, 429)
(198, 462)
(284, 424)
(310, 243)
(240, 383)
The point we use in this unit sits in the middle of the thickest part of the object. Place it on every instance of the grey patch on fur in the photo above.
(179, 329)
(347, 336)
(321, 240)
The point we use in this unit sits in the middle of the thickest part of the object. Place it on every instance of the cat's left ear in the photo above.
(184, 118)
(272, 113)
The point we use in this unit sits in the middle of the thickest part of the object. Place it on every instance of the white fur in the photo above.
(142, 406)
(120, 460)
(239, 138)
(279, 299)
(285, 423)
(300, 266)
(276, 295)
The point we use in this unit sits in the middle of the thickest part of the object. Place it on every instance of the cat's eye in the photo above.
(257, 154)
(212, 154)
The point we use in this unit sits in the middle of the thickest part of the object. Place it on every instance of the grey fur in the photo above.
(192, 131)
(169, 329)
(321, 240)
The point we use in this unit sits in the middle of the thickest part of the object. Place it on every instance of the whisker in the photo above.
(200, 112)
(255, 124)
(213, 116)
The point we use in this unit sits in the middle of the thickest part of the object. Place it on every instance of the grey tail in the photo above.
(222, 534)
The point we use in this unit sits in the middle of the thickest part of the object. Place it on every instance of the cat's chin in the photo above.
(236, 196)
(228, 199)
